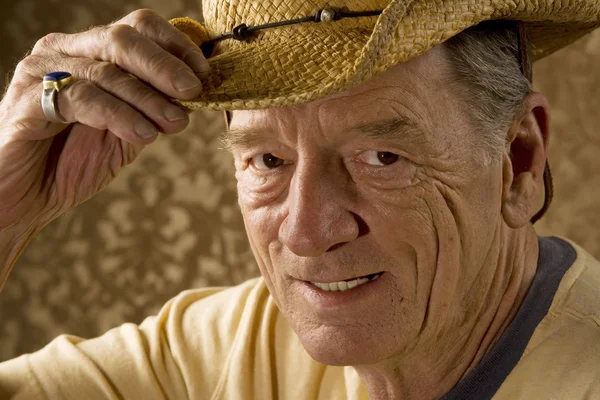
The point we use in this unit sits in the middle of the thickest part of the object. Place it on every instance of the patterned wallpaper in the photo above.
(170, 221)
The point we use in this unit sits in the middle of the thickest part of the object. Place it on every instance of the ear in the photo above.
(524, 163)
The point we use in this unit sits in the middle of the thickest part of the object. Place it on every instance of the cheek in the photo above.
(262, 230)
(454, 244)
(261, 198)
(262, 220)
(403, 228)
(260, 190)
(261, 203)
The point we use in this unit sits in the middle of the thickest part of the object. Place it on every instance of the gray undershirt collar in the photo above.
(555, 258)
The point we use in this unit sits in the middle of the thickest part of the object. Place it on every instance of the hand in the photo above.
(118, 102)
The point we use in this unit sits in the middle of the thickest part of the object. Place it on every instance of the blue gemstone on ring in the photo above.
(56, 76)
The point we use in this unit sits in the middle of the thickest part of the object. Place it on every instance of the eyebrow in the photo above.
(392, 128)
(243, 137)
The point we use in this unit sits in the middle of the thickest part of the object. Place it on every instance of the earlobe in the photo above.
(523, 165)
(519, 199)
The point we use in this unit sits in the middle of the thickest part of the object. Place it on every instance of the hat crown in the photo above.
(223, 15)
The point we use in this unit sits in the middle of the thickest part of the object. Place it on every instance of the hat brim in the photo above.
(282, 69)
(308, 61)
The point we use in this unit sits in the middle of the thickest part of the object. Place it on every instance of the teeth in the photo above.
(343, 285)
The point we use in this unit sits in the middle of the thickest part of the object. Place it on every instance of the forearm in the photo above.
(13, 241)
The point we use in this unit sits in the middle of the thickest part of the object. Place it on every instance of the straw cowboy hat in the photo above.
(267, 53)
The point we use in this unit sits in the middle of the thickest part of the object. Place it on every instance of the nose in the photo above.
(318, 217)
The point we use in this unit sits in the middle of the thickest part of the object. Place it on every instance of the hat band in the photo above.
(243, 32)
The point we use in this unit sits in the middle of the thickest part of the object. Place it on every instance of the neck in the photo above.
(430, 372)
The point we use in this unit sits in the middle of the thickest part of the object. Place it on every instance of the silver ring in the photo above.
(54, 83)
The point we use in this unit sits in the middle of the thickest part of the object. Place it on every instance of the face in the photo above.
(384, 182)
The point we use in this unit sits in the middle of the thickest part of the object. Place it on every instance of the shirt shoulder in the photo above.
(212, 343)
(578, 297)
(562, 359)
(174, 354)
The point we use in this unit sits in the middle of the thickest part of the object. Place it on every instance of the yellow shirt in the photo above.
(233, 343)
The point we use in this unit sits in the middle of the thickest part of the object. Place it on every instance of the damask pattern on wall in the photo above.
(170, 221)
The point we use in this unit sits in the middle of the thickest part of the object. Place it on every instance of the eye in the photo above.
(378, 158)
(268, 161)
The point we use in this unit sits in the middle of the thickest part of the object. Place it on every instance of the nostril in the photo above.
(363, 228)
(336, 246)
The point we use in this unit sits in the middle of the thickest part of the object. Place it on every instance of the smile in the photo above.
(342, 286)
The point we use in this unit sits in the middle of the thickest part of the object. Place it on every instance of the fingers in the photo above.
(168, 117)
(110, 65)
(171, 39)
(104, 97)
(84, 102)
(157, 54)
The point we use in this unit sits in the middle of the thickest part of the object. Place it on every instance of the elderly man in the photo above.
(388, 171)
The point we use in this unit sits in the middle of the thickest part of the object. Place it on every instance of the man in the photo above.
(387, 182)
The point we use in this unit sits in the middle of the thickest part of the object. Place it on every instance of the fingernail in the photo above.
(185, 81)
(145, 129)
(197, 62)
(173, 113)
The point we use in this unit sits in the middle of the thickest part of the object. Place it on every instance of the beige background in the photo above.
(170, 221)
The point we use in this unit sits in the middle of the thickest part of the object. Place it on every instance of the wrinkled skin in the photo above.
(451, 232)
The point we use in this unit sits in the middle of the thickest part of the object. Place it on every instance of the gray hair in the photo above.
(488, 78)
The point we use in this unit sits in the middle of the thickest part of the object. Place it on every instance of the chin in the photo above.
(344, 346)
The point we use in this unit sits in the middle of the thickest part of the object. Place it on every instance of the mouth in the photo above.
(342, 286)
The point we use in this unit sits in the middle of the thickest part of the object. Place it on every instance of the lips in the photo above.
(347, 284)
